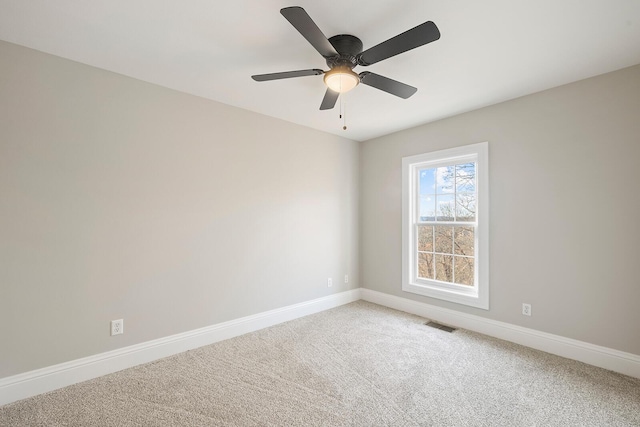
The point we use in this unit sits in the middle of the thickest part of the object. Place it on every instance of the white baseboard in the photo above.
(53, 377)
(614, 360)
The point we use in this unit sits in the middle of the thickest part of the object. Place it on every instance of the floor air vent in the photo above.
(441, 327)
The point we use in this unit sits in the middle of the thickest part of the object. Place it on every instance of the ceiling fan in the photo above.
(343, 52)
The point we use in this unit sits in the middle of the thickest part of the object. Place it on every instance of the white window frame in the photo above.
(478, 294)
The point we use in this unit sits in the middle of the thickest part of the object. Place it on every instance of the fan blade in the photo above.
(309, 30)
(386, 84)
(286, 75)
(329, 100)
(411, 39)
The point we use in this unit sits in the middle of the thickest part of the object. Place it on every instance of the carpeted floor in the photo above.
(355, 365)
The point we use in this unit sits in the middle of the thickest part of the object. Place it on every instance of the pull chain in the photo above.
(344, 117)
(343, 113)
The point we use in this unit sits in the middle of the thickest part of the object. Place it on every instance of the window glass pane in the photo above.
(463, 241)
(464, 271)
(427, 207)
(466, 177)
(445, 207)
(425, 266)
(466, 207)
(427, 181)
(425, 238)
(444, 268)
(445, 180)
(444, 238)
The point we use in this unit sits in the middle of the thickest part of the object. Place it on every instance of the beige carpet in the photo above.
(360, 365)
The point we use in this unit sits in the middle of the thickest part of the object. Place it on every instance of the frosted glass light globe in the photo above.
(341, 79)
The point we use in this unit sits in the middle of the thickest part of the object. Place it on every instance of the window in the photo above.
(445, 225)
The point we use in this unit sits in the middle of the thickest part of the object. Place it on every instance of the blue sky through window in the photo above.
(440, 188)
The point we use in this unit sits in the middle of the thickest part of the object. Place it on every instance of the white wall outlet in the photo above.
(117, 327)
(329, 282)
(526, 309)
(346, 278)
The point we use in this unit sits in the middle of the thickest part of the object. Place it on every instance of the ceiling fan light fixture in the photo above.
(341, 79)
(343, 52)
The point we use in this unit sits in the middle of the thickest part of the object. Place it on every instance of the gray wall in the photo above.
(121, 199)
(565, 197)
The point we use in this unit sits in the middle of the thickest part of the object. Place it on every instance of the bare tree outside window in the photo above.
(446, 251)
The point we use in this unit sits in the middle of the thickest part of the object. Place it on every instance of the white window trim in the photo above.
(477, 296)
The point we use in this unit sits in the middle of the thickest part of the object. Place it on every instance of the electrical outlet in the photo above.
(526, 309)
(329, 282)
(346, 278)
(117, 327)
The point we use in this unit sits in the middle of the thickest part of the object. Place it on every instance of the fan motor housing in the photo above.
(349, 47)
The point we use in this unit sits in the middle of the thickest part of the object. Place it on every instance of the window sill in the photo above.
(471, 298)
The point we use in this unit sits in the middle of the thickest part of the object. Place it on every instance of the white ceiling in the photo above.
(490, 50)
